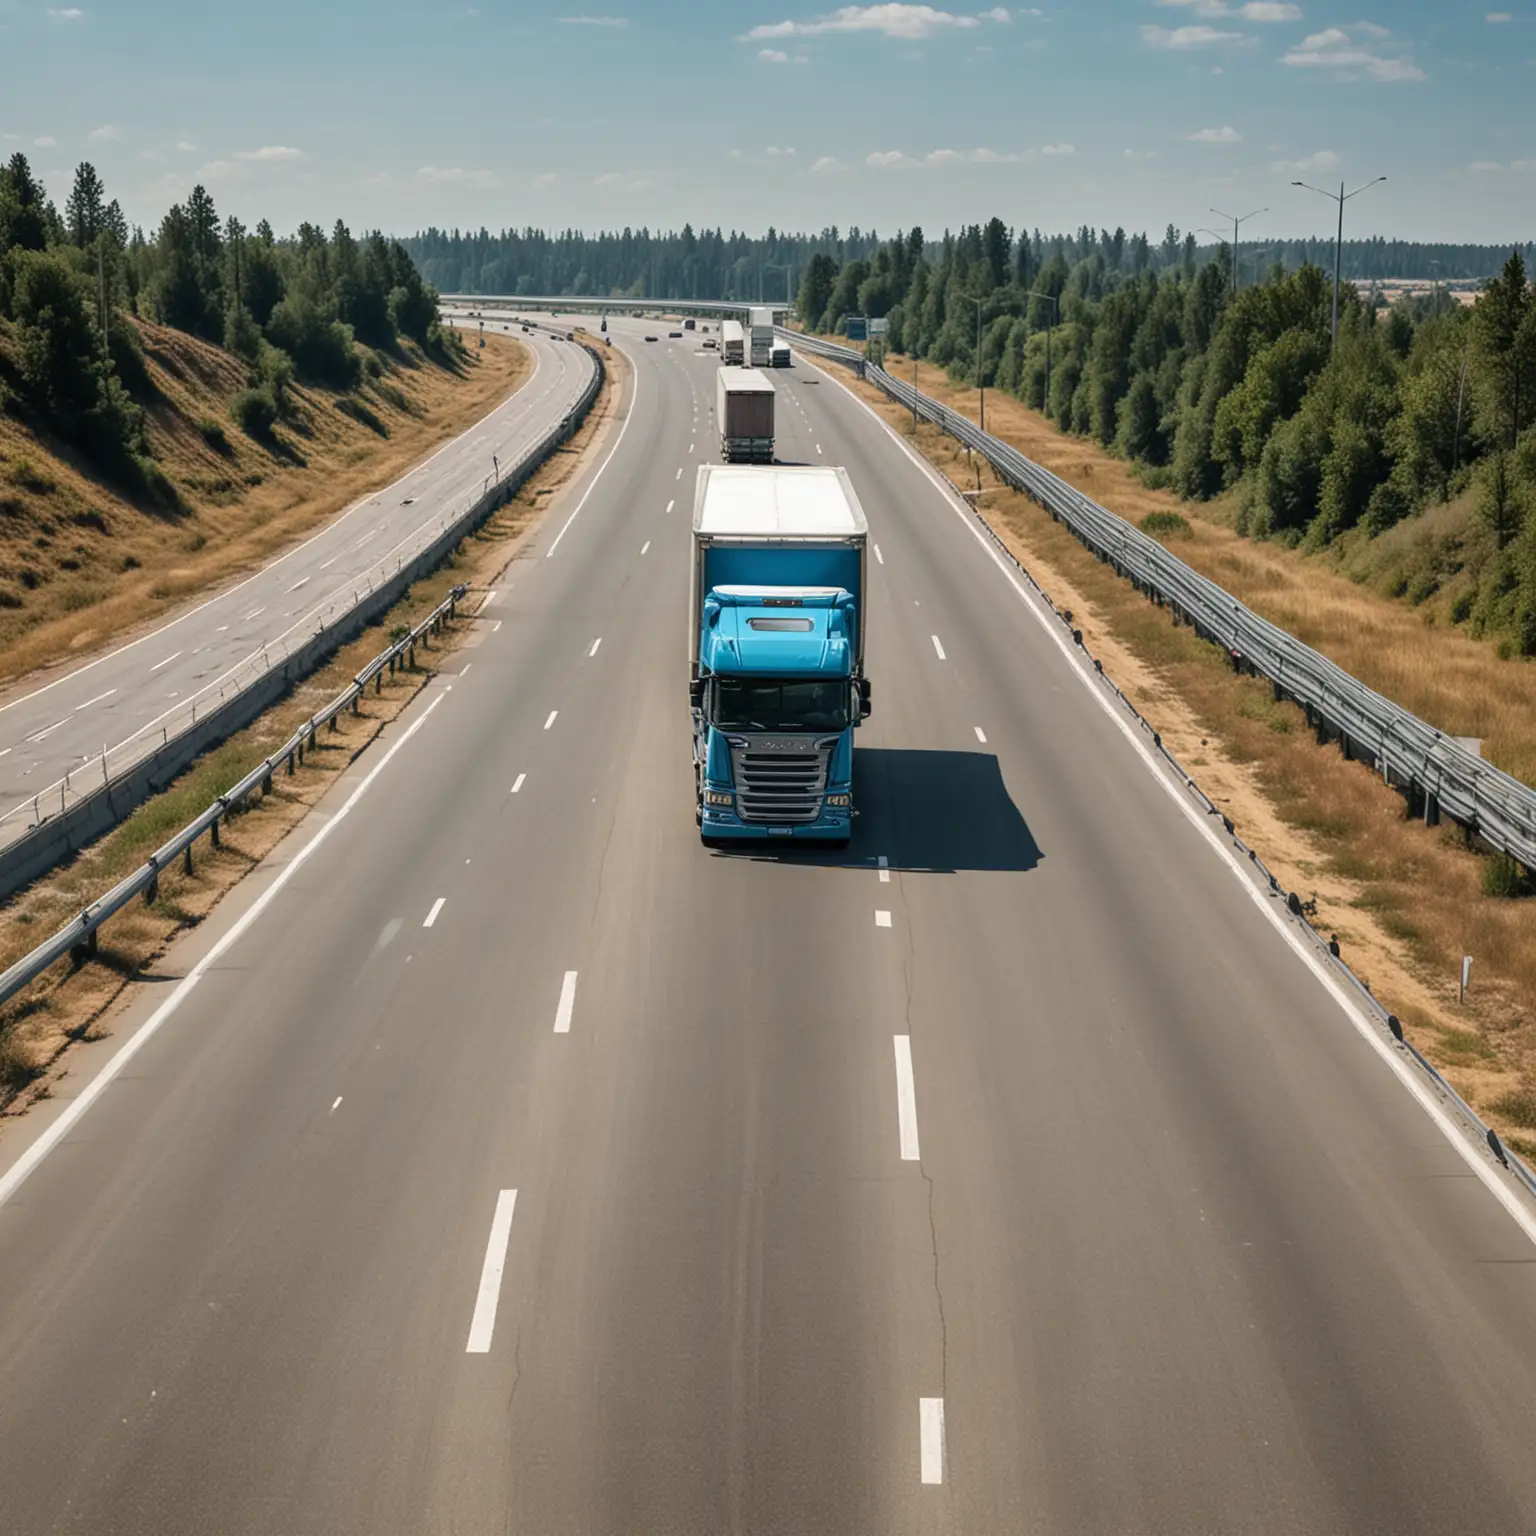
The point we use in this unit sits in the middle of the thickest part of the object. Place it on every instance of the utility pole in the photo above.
(1338, 244)
(1039, 293)
(1237, 224)
(101, 284)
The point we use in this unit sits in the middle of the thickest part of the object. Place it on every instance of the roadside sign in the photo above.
(856, 327)
(877, 327)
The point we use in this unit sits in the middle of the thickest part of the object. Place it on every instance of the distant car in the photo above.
(650, 338)
(674, 335)
(687, 325)
(711, 345)
(704, 328)
(570, 335)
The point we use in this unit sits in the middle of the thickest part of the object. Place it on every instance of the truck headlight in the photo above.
(839, 800)
(721, 797)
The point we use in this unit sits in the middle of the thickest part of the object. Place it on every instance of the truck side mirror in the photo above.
(696, 694)
(865, 707)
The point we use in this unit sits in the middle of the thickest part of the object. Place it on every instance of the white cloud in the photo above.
(773, 56)
(943, 159)
(1248, 10)
(1058, 149)
(887, 159)
(828, 165)
(1140, 154)
(455, 175)
(1485, 167)
(104, 134)
(186, 146)
(1223, 135)
(593, 21)
(151, 157)
(623, 181)
(1322, 160)
(1497, 18)
(543, 179)
(1334, 50)
(269, 154)
(46, 142)
(910, 23)
(217, 170)
(775, 153)
(1179, 38)
(69, 13)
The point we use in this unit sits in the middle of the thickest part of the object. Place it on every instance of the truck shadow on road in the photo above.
(926, 812)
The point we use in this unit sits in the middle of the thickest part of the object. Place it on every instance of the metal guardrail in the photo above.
(1437, 771)
(297, 650)
(78, 938)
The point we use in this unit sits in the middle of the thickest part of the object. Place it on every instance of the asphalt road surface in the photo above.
(499, 1160)
(58, 725)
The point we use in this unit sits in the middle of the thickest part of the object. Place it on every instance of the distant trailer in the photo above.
(744, 409)
(733, 344)
(781, 357)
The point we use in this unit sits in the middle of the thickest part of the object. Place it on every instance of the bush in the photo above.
(255, 412)
(156, 485)
(322, 349)
(348, 405)
(213, 433)
(1503, 877)
(1519, 1105)
(1165, 525)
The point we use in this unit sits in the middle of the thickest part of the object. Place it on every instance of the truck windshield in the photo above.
(752, 704)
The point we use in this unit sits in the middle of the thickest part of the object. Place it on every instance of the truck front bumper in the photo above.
(832, 824)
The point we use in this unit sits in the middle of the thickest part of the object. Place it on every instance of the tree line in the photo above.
(1212, 389)
(71, 283)
(715, 265)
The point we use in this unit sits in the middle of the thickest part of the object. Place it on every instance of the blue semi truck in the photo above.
(776, 651)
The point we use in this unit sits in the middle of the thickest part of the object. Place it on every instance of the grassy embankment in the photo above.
(1405, 901)
(72, 1003)
(81, 565)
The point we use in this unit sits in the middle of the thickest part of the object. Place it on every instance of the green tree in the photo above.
(816, 289)
(85, 210)
(1504, 325)
(1502, 501)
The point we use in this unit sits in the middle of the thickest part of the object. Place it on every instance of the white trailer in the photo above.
(733, 344)
(744, 414)
(760, 336)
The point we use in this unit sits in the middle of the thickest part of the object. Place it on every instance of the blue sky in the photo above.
(1133, 112)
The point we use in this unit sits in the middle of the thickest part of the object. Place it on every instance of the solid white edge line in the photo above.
(629, 416)
(930, 1419)
(939, 649)
(335, 522)
(553, 715)
(518, 782)
(906, 1099)
(19, 1171)
(567, 1004)
(483, 1324)
(1405, 1074)
(437, 906)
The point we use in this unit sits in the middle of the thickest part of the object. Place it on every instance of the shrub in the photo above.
(255, 413)
(214, 435)
(1165, 525)
(1518, 1105)
(349, 405)
(1503, 877)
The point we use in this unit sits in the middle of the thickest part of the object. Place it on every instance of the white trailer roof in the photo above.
(745, 381)
(774, 500)
(733, 328)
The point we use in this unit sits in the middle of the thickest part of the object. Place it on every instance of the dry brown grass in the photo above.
(74, 1003)
(1457, 683)
(80, 565)
(1406, 902)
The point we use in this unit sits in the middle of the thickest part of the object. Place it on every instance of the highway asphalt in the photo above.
(54, 725)
(496, 1159)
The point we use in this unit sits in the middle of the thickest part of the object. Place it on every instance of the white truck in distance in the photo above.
(744, 411)
(732, 344)
(760, 336)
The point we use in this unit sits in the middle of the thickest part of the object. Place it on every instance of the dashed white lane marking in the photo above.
(930, 1418)
(25, 1165)
(255, 613)
(97, 700)
(495, 626)
(552, 714)
(882, 919)
(518, 782)
(168, 660)
(981, 736)
(937, 647)
(690, 449)
(906, 1099)
(679, 474)
(48, 730)
(302, 582)
(671, 504)
(437, 906)
(567, 1004)
(326, 565)
(221, 629)
(483, 1325)
(878, 555)
(818, 447)
(885, 870)
(487, 600)
(464, 671)
(595, 644)
(337, 1105)
(645, 546)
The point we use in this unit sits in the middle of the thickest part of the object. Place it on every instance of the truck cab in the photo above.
(777, 686)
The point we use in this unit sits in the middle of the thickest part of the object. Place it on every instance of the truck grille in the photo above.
(780, 783)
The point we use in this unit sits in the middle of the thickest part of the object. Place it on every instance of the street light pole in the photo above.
(1338, 244)
(1237, 224)
(1038, 293)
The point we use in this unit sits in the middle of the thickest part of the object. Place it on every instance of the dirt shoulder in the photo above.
(81, 566)
(1405, 901)
(73, 1003)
